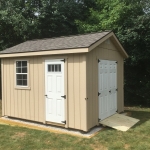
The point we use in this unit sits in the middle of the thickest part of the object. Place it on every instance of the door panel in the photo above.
(58, 84)
(107, 74)
(59, 109)
(49, 85)
(49, 105)
(54, 83)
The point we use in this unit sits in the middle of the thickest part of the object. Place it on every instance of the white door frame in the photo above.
(107, 88)
(56, 119)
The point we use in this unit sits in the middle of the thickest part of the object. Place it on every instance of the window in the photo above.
(21, 73)
(54, 68)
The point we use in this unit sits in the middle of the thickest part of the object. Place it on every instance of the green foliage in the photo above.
(21, 20)
(137, 68)
(130, 20)
(108, 15)
(60, 19)
(17, 23)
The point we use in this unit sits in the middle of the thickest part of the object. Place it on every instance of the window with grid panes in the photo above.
(21, 73)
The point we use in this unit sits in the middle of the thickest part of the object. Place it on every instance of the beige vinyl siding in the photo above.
(105, 51)
(23, 103)
(30, 103)
(2, 79)
(77, 113)
(81, 86)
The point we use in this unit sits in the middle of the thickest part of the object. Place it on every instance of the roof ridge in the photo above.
(70, 35)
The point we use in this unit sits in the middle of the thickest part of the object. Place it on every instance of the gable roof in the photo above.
(77, 43)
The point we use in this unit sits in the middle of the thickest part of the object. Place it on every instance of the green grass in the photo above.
(137, 138)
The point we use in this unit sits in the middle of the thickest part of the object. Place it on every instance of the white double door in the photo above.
(54, 90)
(107, 86)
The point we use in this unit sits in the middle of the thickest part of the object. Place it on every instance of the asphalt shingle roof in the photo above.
(60, 43)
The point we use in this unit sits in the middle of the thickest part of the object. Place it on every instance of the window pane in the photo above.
(24, 82)
(21, 73)
(56, 66)
(24, 63)
(59, 68)
(18, 63)
(49, 68)
(19, 76)
(18, 70)
(25, 76)
(24, 70)
(52, 68)
(19, 82)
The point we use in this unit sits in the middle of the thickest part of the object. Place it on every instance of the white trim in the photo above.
(19, 86)
(49, 115)
(48, 52)
(107, 87)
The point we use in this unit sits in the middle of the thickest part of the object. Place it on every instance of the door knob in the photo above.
(110, 91)
(45, 95)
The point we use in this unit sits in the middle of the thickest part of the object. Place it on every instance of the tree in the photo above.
(17, 22)
(130, 20)
(22, 20)
(58, 17)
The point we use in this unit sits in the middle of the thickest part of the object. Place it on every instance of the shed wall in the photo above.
(105, 51)
(30, 103)
(23, 103)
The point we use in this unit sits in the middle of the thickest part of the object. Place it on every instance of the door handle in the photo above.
(45, 95)
(110, 91)
(64, 96)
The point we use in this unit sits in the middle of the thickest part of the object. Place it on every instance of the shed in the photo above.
(72, 81)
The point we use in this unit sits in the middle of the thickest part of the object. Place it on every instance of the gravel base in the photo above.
(55, 129)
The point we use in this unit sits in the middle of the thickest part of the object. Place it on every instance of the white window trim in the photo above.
(19, 86)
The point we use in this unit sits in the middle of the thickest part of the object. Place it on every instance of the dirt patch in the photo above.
(126, 146)
(19, 135)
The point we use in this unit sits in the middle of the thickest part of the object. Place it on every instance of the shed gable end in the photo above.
(111, 42)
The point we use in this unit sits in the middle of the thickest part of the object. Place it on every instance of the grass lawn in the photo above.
(137, 138)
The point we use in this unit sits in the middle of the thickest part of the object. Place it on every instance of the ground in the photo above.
(137, 138)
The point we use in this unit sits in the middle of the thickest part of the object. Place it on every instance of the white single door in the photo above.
(54, 90)
(107, 86)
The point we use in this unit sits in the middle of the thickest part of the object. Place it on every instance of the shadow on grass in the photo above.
(142, 115)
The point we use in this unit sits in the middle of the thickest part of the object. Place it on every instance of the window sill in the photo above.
(22, 88)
